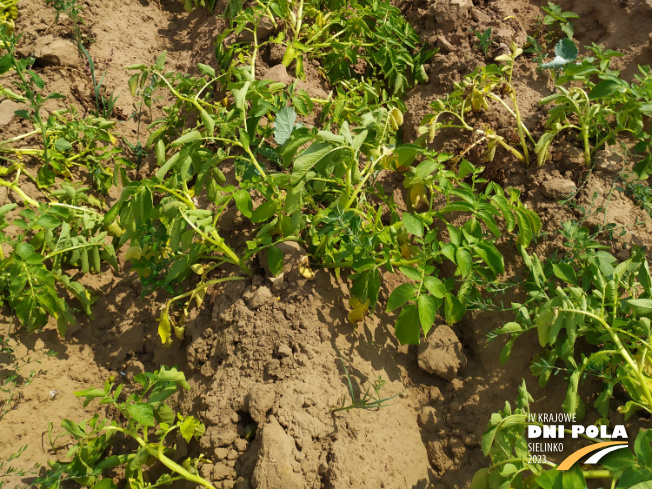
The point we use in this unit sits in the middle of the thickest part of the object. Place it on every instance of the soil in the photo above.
(274, 354)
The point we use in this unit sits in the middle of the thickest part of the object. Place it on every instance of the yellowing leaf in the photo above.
(197, 268)
(359, 310)
(134, 253)
(305, 270)
(164, 327)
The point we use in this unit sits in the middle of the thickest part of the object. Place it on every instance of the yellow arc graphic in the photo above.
(575, 456)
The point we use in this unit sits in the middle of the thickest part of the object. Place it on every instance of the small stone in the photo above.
(260, 400)
(232, 455)
(450, 13)
(206, 470)
(221, 453)
(441, 354)
(284, 351)
(435, 394)
(276, 53)
(240, 444)
(323, 468)
(457, 448)
(608, 161)
(428, 419)
(274, 468)
(444, 45)
(224, 437)
(228, 484)
(558, 188)
(437, 456)
(278, 73)
(50, 50)
(7, 109)
(221, 471)
(259, 297)
(470, 440)
(242, 483)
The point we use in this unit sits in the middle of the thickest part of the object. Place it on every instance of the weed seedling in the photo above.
(367, 399)
(484, 41)
(556, 17)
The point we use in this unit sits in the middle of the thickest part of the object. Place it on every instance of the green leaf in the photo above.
(488, 440)
(106, 483)
(641, 307)
(503, 205)
(141, 413)
(400, 295)
(480, 479)
(642, 449)
(464, 262)
(62, 144)
(491, 256)
(427, 311)
(186, 138)
(565, 272)
(275, 260)
(544, 319)
(604, 88)
(240, 96)
(573, 403)
(160, 61)
(284, 124)
(188, 427)
(454, 310)
(73, 428)
(565, 52)
(435, 286)
(208, 121)
(165, 414)
(316, 153)
(408, 331)
(48, 221)
(524, 228)
(413, 224)
(141, 458)
(243, 202)
(411, 273)
(205, 69)
(263, 212)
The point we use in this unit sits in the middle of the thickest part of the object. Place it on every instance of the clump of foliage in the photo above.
(144, 418)
(471, 96)
(324, 196)
(340, 35)
(587, 297)
(559, 19)
(8, 12)
(512, 464)
(484, 41)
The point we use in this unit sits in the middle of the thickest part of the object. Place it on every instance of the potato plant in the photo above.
(512, 465)
(144, 418)
(317, 187)
(588, 298)
(32, 272)
(340, 34)
(472, 95)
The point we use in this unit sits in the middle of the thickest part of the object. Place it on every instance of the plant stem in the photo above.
(623, 352)
(12, 186)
